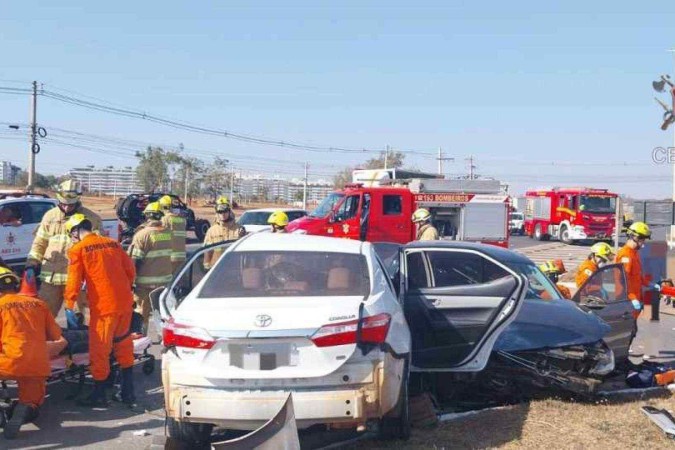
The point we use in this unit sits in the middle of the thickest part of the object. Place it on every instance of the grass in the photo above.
(544, 424)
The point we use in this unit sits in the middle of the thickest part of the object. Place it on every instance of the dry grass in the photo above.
(544, 424)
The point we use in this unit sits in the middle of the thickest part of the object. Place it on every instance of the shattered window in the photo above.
(461, 268)
(605, 286)
(541, 287)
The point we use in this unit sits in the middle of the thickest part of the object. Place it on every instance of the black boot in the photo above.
(22, 414)
(126, 393)
(97, 397)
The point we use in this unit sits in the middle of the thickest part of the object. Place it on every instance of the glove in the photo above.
(34, 265)
(637, 305)
(71, 319)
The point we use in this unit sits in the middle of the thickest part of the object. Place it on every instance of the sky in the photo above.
(539, 93)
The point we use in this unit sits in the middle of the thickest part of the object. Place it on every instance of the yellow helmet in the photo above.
(166, 201)
(153, 209)
(278, 218)
(603, 251)
(222, 204)
(69, 192)
(640, 230)
(74, 221)
(421, 215)
(8, 278)
(548, 267)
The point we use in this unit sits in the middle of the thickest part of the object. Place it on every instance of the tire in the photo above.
(396, 425)
(565, 235)
(149, 366)
(201, 227)
(193, 435)
(539, 234)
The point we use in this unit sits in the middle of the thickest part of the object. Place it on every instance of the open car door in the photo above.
(165, 300)
(606, 295)
(456, 301)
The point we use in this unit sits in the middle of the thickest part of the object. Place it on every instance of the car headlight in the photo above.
(605, 363)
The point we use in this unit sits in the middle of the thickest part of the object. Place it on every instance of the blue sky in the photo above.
(540, 93)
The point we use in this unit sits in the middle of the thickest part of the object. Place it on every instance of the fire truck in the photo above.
(570, 214)
(378, 208)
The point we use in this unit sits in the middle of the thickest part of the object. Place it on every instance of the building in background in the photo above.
(107, 180)
(260, 188)
(8, 173)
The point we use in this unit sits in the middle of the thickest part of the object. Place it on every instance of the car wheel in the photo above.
(538, 233)
(396, 425)
(194, 435)
(201, 227)
(565, 235)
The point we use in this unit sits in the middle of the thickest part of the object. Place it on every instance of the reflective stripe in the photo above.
(180, 233)
(161, 280)
(35, 256)
(178, 256)
(53, 278)
(59, 238)
(137, 253)
(158, 253)
(159, 237)
(175, 219)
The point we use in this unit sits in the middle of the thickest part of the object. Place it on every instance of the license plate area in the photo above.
(263, 356)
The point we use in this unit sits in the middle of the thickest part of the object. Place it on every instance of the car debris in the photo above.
(662, 418)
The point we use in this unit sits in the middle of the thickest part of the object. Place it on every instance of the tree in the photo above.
(216, 179)
(40, 181)
(153, 168)
(342, 178)
(394, 160)
(194, 169)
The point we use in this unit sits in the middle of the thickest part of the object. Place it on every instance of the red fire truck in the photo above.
(381, 211)
(570, 214)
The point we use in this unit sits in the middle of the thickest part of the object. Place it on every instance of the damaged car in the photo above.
(553, 343)
(322, 319)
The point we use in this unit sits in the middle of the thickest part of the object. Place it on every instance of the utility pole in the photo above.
(186, 182)
(304, 188)
(232, 187)
(33, 134)
(441, 159)
(386, 156)
(472, 167)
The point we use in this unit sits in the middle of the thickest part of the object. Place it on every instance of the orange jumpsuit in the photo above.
(109, 274)
(564, 291)
(633, 267)
(584, 272)
(26, 324)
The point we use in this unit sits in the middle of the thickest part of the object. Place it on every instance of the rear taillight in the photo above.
(374, 330)
(179, 335)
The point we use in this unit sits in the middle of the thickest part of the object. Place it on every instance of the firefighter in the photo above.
(279, 221)
(553, 270)
(108, 270)
(601, 253)
(628, 255)
(224, 229)
(177, 225)
(48, 255)
(425, 231)
(26, 324)
(151, 251)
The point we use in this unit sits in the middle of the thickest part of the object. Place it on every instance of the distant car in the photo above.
(255, 220)
(321, 318)
(517, 223)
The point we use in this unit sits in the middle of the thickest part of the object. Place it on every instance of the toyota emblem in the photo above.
(263, 320)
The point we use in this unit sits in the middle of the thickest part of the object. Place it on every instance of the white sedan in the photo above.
(319, 317)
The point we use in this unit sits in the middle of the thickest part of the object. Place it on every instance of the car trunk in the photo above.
(268, 338)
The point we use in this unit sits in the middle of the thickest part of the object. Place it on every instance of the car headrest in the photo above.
(251, 278)
(338, 278)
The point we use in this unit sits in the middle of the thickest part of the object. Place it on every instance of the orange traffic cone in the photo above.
(28, 283)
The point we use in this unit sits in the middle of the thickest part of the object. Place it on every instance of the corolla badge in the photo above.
(262, 320)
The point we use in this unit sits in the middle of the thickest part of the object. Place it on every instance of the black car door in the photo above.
(457, 301)
(605, 294)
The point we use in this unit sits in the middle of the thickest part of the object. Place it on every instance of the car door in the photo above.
(457, 301)
(605, 294)
(347, 218)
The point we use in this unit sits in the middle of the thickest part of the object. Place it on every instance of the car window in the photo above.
(12, 214)
(254, 218)
(540, 286)
(417, 272)
(287, 274)
(607, 285)
(38, 209)
(392, 205)
(451, 268)
(349, 208)
(292, 215)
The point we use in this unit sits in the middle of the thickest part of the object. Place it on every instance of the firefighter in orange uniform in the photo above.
(628, 255)
(601, 253)
(109, 273)
(26, 324)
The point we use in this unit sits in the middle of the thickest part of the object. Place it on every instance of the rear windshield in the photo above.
(516, 216)
(254, 218)
(287, 274)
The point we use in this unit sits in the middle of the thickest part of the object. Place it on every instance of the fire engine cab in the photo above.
(570, 214)
(379, 206)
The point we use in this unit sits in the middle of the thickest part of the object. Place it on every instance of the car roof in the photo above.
(274, 209)
(298, 242)
(500, 254)
(30, 199)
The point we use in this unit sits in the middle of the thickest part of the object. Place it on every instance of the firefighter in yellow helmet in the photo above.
(553, 270)
(150, 250)
(637, 233)
(601, 253)
(224, 229)
(279, 221)
(177, 225)
(425, 231)
(49, 252)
